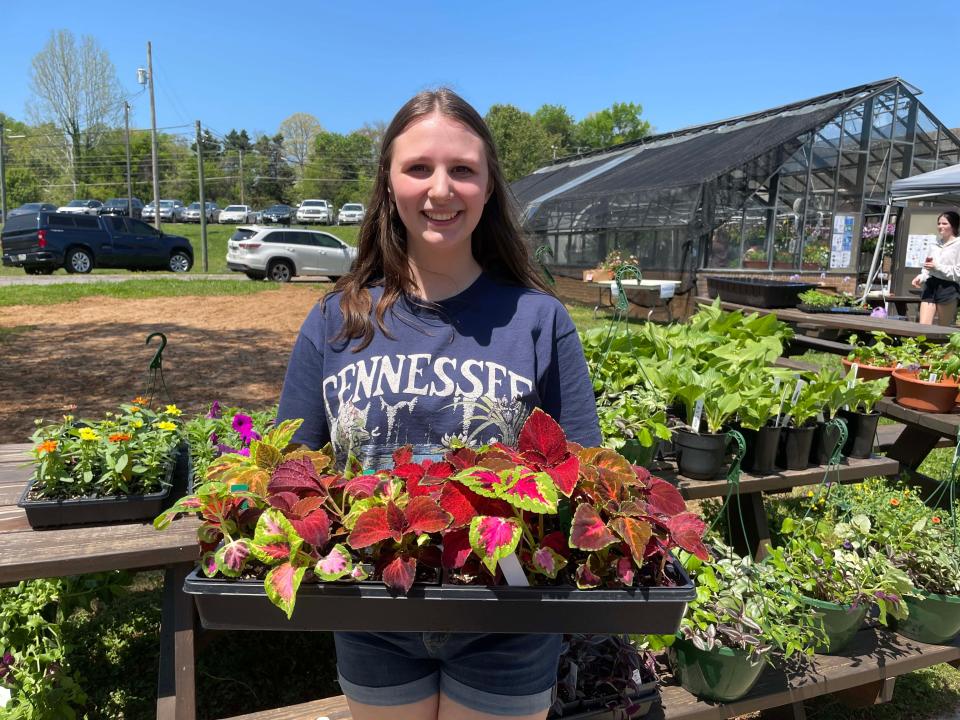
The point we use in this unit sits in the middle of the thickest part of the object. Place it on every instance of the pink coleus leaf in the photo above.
(281, 584)
(371, 527)
(359, 573)
(274, 537)
(400, 573)
(528, 490)
(232, 557)
(403, 455)
(493, 538)
(625, 571)
(589, 531)
(687, 530)
(335, 564)
(547, 561)
(424, 515)
(299, 476)
(209, 563)
(643, 475)
(361, 486)
(542, 439)
(635, 533)
(565, 474)
(586, 578)
(664, 498)
(314, 528)
(456, 548)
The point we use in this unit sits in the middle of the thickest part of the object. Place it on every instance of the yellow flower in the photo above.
(137, 423)
(173, 410)
(166, 425)
(68, 418)
(809, 493)
(88, 435)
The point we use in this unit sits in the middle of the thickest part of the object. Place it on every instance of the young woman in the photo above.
(940, 276)
(442, 331)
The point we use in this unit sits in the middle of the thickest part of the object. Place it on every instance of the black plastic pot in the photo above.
(862, 430)
(243, 605)
(794, 450)
(104, 510)
(638, 454)
(610, 707)
(761, 455)
(700, 456)
(825, 439)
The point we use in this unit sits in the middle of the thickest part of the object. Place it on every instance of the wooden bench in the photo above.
(799, 344)
(887, 436)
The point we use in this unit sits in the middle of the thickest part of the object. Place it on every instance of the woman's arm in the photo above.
(302, 394)
(948, 261)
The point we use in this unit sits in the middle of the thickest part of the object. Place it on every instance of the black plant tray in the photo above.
(243, 605)
(105, 510)
(835, 309)
(756, 292)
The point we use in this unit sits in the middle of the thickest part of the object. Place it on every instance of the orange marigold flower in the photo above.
(47, 446)
(935, 520)
(119, 437)
(894, 502)
(140, 400)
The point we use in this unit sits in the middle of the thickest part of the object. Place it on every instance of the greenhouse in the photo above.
(796, 188)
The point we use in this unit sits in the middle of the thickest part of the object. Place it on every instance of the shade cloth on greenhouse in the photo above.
(943, 184)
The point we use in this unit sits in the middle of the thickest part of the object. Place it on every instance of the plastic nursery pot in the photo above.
(861, 432)
(825, 438)
(722, 674)
(935, 619)
(700, 456)
(637, 453)
(794, 450)
(840, 622)
(761, 455)
(872, 372)
(922, 395)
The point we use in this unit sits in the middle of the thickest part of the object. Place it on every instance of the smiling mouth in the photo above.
(441, 217)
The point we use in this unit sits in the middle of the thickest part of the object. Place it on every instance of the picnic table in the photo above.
(27, 554)
(648, 293)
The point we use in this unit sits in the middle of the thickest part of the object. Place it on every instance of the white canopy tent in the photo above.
(943, 184)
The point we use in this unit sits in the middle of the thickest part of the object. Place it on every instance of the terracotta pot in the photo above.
(597, 275)
(873, 372)
(925, 396)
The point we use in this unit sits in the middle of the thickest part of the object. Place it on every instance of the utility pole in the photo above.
(203, 201)
(126, 126)
(153, 141)
(241, 176)
(3, 178)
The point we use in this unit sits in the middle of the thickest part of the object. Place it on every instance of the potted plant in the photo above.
(755, 258)
(833, 390)
(550, 519)
(860, 414)
(758, 419)
(874, 361)
(709, 403)
(116, 469)
(604, 677)
(606, 269)
(933, 389)
(633, 422)
(739, 621)
(833, 569)
(798, 428)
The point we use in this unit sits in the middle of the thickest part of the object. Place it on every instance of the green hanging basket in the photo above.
(935, 619)
(721, 674)
(840, 622)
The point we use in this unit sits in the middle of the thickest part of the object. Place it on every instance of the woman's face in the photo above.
(944, 227)
(440, 182)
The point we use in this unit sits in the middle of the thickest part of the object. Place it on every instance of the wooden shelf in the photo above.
(945, 424)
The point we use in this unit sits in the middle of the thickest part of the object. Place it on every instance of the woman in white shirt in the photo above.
(940, 276)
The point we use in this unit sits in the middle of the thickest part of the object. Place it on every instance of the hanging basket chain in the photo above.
(833, 464)
(733, 487)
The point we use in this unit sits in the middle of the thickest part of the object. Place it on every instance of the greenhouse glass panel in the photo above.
(883, 115)
(816, 241)
(725, 244)
(853, 127)
(901, 127)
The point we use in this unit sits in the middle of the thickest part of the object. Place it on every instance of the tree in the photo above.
(375, 131)
(341, 168)
(619, 123)
(77, 90)
(273, 177)
(559, 125)
(298, 132)
(522, 143)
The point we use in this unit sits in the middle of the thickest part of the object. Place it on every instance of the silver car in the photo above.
(192, 213)
(280, 254)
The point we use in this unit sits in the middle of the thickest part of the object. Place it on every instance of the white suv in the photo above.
(315, 211)
(280, 254)
(237, 214)
(351, 213)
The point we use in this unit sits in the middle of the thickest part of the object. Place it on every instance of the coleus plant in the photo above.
(574, 515)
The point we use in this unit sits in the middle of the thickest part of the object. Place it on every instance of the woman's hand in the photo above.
(928, 265)
(916, 281)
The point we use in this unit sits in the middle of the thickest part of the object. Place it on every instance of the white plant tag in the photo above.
(933, 377)
(856, 371)
(697, 414)
(781, 421)
(776, 384)
(512, 571)
(820, 417)
(796, 392)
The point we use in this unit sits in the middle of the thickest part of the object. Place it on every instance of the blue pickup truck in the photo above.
(41, 242)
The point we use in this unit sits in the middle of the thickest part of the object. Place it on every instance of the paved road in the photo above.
(62, 278)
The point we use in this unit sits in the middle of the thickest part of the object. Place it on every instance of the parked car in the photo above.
(41, 242)
(315, 211)
(118, 206)
(27, 208)
(279, 213)
(81, 207)
(237, 214)
(170, 211)
(280, 254)
(192, 213)
(351, 213)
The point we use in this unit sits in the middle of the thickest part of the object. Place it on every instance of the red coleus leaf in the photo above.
(400, 573)
(461, 458)
(643, 475)
(371, 527)
(282, 583)
(565, 474)
(403, 455)
(456, 548)
(635, 533)
(314, 528)
(625, 571)
(460, 502)
(586, 578)
(299, 476)
(283, 500)
(275, 551)
(686, 530)
(361, 486)
(589, 531)
(423, 515)
(664, 498)
(542, 440)
(307, 505)
(558, 541)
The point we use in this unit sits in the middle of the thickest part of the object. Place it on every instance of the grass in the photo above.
(217, 236)
(131, 290)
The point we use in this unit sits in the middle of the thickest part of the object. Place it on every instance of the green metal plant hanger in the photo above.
(156, 385)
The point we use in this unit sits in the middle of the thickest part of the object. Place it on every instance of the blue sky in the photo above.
(251, 64)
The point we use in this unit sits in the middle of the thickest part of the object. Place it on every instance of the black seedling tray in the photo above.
(836, 309)
(105, 510)
(243, 605)
(757, 293)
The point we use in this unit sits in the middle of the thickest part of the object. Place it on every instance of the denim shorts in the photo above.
(499, 674)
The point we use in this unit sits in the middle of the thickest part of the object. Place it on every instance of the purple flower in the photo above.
(794, 277)
(7, 659)
(245, 452)
(878, 312)
(214, 439)
(847, 545)
(214, 410)
(243, 424)
(225, 449)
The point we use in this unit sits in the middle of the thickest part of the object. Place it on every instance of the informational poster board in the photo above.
(918, 248)
(841, 242)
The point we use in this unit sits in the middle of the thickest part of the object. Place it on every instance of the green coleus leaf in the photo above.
(493, 538)
(335, 564)
(275, 538)
(518, 485)
(282, 583)
(231, 558)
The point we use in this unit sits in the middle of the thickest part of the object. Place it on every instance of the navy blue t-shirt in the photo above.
(472, 368)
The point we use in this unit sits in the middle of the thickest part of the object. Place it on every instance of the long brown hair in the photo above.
(496, 243)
